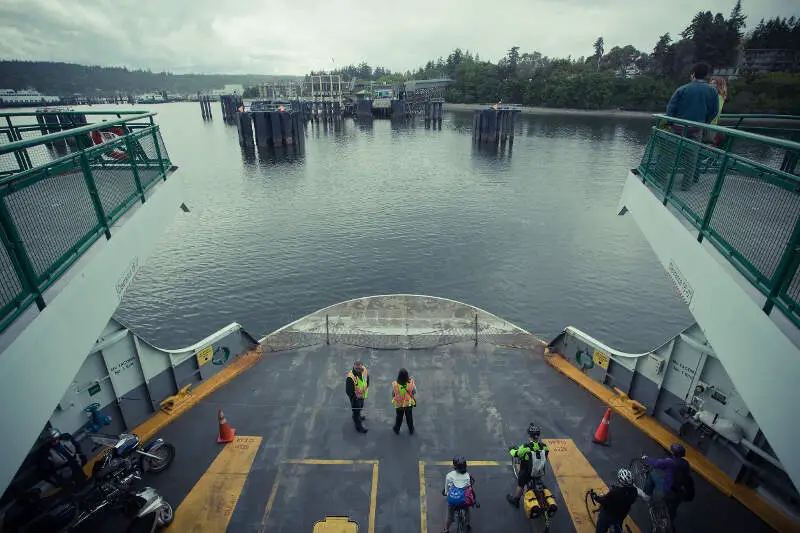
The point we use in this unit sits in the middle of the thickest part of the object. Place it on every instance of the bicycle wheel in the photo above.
(461, 520)
(592, 508)
(659, 517)
(515, 466)
(639, 469)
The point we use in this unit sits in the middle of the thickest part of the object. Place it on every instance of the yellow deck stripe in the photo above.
(656, 431)
(210, 504)
(270, 501)
(423, 500)
(575, 476)
(331, 461)
(373, 498)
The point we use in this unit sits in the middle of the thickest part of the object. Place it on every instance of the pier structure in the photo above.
(432, 111)
(494, 125)
(326, 97)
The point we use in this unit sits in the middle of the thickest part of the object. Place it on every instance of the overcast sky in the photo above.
(295, 36)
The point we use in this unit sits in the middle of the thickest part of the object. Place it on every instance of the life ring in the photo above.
(102, 137)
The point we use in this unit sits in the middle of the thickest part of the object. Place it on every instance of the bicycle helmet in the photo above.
(53, 433)
(534, 431)
(676, 449)
(624, 477)
(460, 464)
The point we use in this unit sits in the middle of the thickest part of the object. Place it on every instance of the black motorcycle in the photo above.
(126, 456)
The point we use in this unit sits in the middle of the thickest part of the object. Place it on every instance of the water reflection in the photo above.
(493, 152)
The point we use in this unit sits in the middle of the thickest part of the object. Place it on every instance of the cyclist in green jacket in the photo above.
(532, 459)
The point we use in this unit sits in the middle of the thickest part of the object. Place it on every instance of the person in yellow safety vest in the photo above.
(404, 398)
(357, 387)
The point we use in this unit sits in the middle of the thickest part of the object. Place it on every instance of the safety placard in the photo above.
(600, 359)
(205, 355)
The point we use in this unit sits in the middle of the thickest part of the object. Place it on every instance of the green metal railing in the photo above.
(64, 183)
(741, 191)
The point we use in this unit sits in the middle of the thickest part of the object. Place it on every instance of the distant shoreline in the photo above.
(557, 111)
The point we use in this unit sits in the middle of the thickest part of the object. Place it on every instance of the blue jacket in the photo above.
(696, 101)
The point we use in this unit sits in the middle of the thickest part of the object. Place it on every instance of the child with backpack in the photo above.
(458, 489)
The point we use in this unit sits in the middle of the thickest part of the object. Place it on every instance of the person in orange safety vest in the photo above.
(357, 387)
(404, 398)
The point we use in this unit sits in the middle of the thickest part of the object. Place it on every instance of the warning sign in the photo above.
(600, 359)
(204, 355)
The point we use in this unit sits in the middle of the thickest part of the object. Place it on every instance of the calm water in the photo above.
(532, 236)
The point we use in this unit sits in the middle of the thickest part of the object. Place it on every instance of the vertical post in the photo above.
(90, 184)
(786, 268)
(674, 170)
(19, 256)
(132, 159)
(712, 200)
(327, 331)
(158, 151)
(476, 329)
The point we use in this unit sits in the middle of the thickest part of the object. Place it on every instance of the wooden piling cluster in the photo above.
(433, 111)
(230, 106)
(364, 109)
(490, 126)
(205, 107)
(400, 109)
(272, 129)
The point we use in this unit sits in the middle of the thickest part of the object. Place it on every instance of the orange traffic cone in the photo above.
(226, 432)
(601, 435)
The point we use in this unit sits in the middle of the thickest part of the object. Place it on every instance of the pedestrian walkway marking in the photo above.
(210, 504)
(373, 496)
(575, 476)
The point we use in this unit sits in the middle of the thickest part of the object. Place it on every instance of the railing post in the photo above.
(19, 256)
(674, 170)
(158, 152)
(327, 331)
(132, 158)
(654, 141)
(476, 329)
(785, 269)
(90, 184)
(712, 199)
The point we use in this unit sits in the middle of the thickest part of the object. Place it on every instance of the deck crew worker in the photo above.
(357, 387)
(404, 399)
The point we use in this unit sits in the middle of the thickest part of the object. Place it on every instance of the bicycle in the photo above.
(460, 514)
(593, 508)
(659, 514)
(543, 505)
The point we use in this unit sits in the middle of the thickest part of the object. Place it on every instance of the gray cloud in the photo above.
(294, 36)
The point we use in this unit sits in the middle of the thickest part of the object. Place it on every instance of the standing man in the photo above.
(697, 101)
(357, 387)
(404, 398)
(532, 461)
(616, 503)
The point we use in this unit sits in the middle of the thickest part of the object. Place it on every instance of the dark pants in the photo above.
(398, 421)
(607, 522)
(672, 509)
(357, 404)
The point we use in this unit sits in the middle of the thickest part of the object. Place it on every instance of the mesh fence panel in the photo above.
(10, 286)
(661, 159)
(146, 160)
(694, 179)
(792, 294)
(755, 217)
(52, 215)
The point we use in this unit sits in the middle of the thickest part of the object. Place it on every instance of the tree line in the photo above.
(67, 79)
(622, 77)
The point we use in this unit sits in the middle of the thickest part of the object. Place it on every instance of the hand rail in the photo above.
(51, 137)
(756, 137)
(64, 111)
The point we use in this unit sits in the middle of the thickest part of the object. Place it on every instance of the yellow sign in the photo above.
(600, 359)
(204, 355)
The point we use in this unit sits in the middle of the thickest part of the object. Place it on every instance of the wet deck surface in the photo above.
(472, 401)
